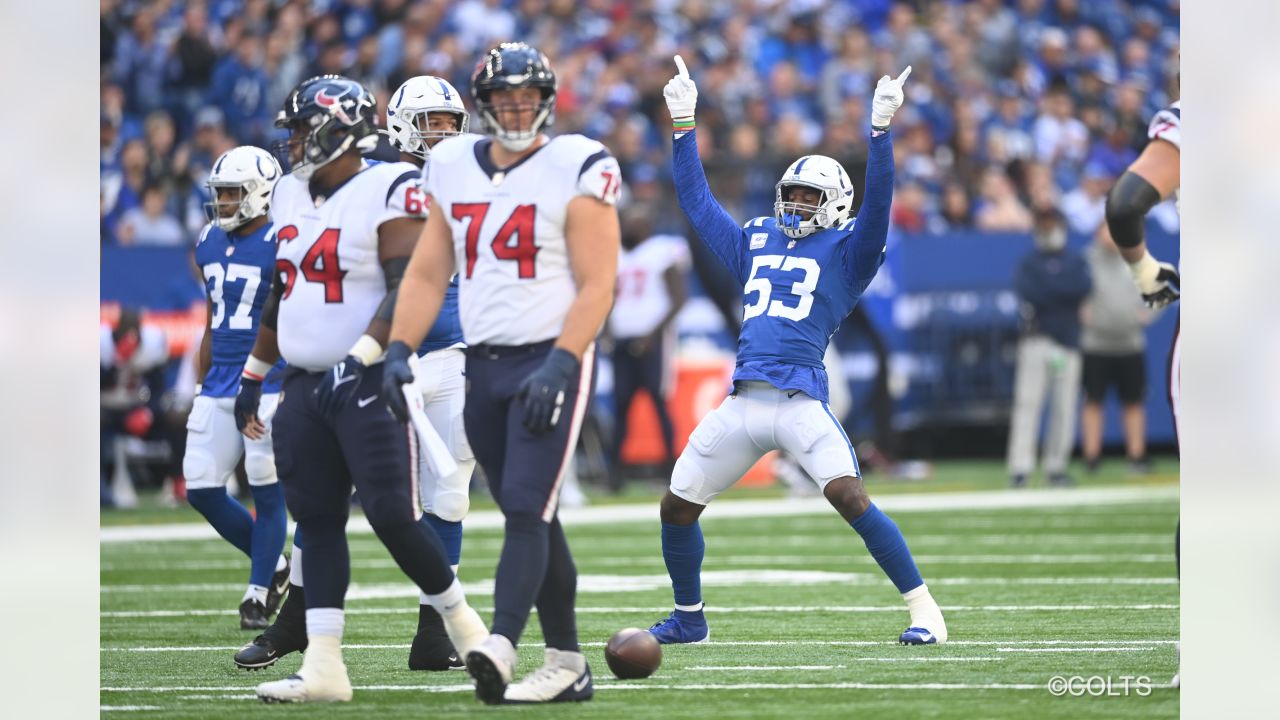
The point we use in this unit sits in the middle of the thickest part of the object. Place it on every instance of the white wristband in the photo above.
(366, 350)
(256, 369)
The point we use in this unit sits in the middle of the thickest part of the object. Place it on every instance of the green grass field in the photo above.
(803, 622)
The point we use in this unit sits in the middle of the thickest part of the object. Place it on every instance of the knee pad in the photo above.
(260, 466)
(451, 504)
(200, 469)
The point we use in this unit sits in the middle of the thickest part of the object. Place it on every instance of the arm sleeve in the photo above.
(865, 250)
(712, 223)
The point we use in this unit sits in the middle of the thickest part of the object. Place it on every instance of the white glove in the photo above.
(1158, 281)
(681, 93)
(887, 100)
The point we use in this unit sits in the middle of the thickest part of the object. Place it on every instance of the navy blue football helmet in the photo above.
(326, 116)
(507, 67)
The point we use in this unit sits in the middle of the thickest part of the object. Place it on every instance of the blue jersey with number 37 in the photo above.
(796, 292)
(237, 272)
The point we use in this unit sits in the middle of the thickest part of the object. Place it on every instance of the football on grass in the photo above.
(633, 653)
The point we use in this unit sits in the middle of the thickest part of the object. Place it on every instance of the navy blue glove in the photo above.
(396, 373)
(247, 400)
(543, 391)
(339, 384)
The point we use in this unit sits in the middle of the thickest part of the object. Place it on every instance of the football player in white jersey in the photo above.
(529, 224)
(345, 230)
(1153, 177)
(236, 255)
(422, 112)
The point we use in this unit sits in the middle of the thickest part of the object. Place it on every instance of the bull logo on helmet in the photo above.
(335, 105)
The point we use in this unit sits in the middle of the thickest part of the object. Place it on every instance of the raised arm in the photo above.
(865, 251)
(711, 222)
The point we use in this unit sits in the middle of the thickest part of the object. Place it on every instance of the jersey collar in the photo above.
(320, 193)
(495, 173)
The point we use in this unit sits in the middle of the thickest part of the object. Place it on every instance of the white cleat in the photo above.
(564, 677)
(322, 677)
(492, 664)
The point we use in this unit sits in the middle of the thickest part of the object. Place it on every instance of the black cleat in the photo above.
(287, 635)
(253, 615)
(432, 650)
(279, 586)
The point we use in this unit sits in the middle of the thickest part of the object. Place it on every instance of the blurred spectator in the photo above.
(240, 91)
(191, 63)
(650, 292)
(132, 363)
(1052, 283)
(1062, 141)
(151, 224)
(140, 61)
(1114, 347)
(1086, 206)
(956, 213)
(1000, 209)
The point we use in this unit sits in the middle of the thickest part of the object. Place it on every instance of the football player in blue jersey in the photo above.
(421, 113)
(236, 255)
(802, 271)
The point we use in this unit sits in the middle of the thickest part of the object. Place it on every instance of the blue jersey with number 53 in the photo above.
(796, 292)
(237, 272)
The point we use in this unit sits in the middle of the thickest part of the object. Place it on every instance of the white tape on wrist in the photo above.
(255, 368)
(1145, 271)
(366, 350)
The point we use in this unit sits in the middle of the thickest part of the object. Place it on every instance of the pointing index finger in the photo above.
(903, 77)
(680, 67)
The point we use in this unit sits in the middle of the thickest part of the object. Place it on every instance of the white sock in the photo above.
(450, 601)
(295, 570)
(280, 563)
(255, 592)
(689, 608)
(925, 611)
(566, 659)
(325, 621)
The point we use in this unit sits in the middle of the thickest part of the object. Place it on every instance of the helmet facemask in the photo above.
(518, 140)
(835, 204)
(249, 173)
(418, 137)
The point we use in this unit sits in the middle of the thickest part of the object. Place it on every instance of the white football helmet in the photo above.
(407, 114)
(252, 172)
(825, 175)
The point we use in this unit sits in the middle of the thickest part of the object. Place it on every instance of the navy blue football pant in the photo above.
(319, 460)
(525, 472)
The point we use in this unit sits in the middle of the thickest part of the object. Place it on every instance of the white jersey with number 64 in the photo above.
(327, 258)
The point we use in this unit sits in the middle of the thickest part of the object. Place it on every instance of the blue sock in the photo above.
(226, 515)
(889, 548)
(682, 549)
(269, 529)
(450, 534)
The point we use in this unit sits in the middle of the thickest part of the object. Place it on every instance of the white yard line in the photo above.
(1073, 649)
(715, 610)
(856, 556)
(1040, 687)
(867, 579)
(774, 507)
(717, 643)
(127, 708)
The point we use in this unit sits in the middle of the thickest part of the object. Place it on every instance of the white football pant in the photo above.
(214, 445)
(757, 419)
(439, 376)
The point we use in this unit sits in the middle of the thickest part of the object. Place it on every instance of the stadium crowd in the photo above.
(1016, 104)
